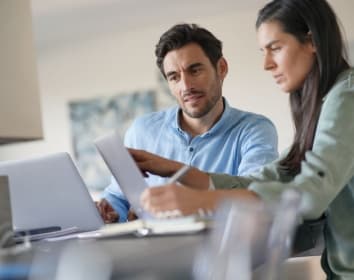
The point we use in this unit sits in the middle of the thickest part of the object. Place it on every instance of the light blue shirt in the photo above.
(238, 144)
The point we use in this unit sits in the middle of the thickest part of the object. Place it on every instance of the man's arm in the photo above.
(163, 167)
(259, 146)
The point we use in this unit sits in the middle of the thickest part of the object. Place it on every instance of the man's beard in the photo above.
(210, 104)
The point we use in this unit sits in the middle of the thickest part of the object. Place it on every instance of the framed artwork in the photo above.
(95, 117)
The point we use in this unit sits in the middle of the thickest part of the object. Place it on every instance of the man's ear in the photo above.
(222, 68)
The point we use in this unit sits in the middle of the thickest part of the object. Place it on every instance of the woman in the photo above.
(303, 50)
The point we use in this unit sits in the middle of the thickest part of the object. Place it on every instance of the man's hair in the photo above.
(182, 34)
(315, 20)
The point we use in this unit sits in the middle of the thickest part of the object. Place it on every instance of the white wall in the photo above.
(123, 61)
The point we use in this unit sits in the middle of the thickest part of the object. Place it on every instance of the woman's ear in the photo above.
(222, 68)
(310, 42)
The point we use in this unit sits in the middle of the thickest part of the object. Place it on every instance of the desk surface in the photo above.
(164, 257)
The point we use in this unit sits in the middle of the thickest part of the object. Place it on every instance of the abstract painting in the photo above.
(95, 117)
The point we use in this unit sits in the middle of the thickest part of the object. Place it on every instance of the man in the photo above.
(203, 131)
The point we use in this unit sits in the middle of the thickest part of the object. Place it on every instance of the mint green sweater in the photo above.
(326, 178)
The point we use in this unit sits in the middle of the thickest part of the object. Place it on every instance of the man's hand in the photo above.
(154, 164)
(131, 216)
(107, 212)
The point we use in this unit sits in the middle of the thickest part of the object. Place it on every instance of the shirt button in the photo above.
(191, 149)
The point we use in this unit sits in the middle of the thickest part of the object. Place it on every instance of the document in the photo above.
(140, 228)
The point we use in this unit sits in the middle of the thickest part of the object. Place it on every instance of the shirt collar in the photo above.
(222, 121)
(219, 123)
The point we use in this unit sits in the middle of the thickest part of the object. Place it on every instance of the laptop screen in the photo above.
(48, 192)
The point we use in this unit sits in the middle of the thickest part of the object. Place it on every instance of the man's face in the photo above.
(193, 80)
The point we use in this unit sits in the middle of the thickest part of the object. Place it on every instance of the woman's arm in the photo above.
(188, 201)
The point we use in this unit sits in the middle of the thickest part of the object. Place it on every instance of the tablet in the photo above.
(124, 170)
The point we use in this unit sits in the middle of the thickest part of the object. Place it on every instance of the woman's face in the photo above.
(286, 58)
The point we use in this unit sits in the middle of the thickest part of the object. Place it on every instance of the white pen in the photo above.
(179, 174)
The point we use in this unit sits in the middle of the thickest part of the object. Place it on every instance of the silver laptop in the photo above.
(48, 193)
(124, 170)
(5, 214)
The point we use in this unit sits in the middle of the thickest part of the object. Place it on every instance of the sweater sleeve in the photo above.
(329, 166)
(267, 173)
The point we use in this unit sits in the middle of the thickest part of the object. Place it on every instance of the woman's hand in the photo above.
(177, 199)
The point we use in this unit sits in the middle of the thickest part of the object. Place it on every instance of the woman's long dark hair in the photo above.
(302, 18)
